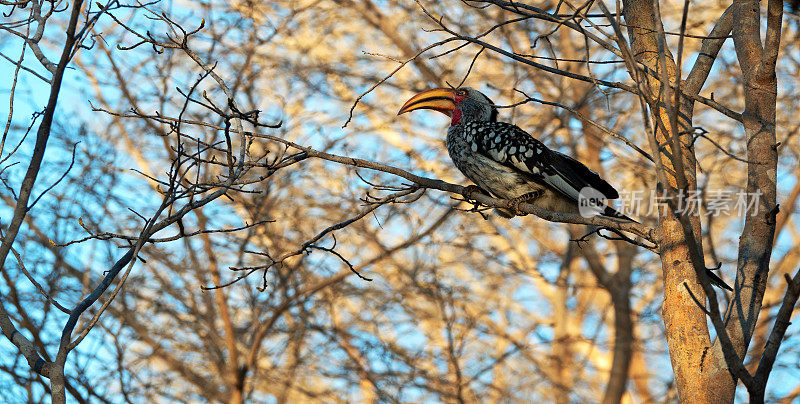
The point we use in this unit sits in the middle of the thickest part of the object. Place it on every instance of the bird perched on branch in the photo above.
(505, 161)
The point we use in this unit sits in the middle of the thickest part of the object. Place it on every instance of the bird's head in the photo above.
(461, 104)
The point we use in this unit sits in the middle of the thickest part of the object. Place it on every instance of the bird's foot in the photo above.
(470, 191)
(513, 204)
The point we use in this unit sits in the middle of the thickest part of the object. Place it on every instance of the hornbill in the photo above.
(505, 161)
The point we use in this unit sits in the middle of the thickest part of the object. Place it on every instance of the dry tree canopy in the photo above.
(216, 201)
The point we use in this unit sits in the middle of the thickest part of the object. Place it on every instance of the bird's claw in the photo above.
(513, 204)
(471, 190)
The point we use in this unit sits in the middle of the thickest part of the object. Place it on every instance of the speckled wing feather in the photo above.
(514, 148)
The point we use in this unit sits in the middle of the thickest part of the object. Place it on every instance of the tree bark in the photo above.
(685, 321)
(760, 86)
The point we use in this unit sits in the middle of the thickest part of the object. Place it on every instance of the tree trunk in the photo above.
(685, 321)
(760, 87)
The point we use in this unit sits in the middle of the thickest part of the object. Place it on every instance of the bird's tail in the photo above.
(611, 212)
(712, 277)
(716, 280)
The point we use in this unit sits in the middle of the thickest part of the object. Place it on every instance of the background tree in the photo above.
(254, 289)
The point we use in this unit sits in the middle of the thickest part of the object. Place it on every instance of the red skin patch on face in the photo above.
(456, 117)
(456, 114)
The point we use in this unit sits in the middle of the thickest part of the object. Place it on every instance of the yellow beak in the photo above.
(438, 99)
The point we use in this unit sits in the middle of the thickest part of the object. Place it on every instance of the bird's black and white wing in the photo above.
(514, 148)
